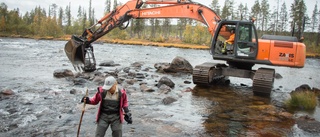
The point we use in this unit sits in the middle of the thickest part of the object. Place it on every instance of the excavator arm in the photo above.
(80, 51)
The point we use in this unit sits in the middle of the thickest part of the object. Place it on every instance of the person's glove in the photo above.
(87, 100)
(128, 118)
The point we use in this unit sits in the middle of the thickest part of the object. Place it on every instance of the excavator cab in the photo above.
(244, 45)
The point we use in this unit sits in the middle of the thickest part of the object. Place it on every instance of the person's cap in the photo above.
(109, 82)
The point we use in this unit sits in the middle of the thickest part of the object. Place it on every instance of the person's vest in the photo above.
(110, 106)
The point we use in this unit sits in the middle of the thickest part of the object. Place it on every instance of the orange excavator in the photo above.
(241, 55)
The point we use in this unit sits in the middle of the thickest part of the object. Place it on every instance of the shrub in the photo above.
(305, 100)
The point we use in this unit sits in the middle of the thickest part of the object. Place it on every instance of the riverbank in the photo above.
(176, 44)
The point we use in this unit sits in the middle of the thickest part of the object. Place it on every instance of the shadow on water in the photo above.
(241, 114)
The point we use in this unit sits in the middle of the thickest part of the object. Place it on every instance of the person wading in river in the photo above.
(113, 108)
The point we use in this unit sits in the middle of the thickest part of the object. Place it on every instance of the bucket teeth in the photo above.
(78, 67)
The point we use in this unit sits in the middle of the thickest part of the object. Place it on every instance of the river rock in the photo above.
(99, 80)
(73, 91)
(166, 81)
(126, 69)
(164, 89)
(61, 73)
(79, 81)
(108, 63)
(7, 92)
(316, 90)
(161, 66)
(188, 89)
(130, 81)
(304, 87)
(309, 124)
(140, 76)
(168, 100)
(137, 64)
(145, 88)
(278, 76)
(179, 64)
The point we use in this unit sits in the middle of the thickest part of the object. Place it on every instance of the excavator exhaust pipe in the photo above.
(80, 54)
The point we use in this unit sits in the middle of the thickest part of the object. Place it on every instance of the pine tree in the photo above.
(225, 10)
(3, 16)
(298, 10)
(246, 12)
(231, 9)
(182, 23)
(255, 12)
(240, 12)
(166, 28)
(107, 7)
(264, 14)
(215, 6)
(60, 17)
(84, 20)
(314, 18)
(90, 14)
(115, 4)
(68, 19)
(283, 18)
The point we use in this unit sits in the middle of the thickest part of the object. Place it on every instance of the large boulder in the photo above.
(178, 64)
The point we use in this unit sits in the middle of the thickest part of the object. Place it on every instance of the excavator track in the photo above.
(206, 73)
(263, 80)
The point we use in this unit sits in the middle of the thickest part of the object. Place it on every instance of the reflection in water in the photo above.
(233, 114)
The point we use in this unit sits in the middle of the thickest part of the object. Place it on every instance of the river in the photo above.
(43, 106)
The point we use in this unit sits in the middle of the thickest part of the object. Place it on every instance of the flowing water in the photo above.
(43, 106)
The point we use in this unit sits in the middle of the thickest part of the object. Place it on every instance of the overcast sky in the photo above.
(98, 5)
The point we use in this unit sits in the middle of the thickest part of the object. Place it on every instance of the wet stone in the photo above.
(61, 73)
(168, 100)
(179, 64)
(145, 88)
(7, 92)
(140, 75)
(164, 89)
(137, 64)
(278, 76)
(126, 69)
(304, 87)
(308, 124)
(166, 81)
(79, 81)
(73, 91)
(108, 63)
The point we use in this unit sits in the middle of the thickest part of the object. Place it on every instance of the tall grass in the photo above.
(305, 100)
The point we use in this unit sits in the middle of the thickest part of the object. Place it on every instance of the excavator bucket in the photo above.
(80, 55)
(75, 50)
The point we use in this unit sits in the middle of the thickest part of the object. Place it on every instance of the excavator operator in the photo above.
(229, 41)
(231, 38)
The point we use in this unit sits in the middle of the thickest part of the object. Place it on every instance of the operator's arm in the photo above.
(231, 39)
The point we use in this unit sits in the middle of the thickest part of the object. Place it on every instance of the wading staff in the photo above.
(84, 106)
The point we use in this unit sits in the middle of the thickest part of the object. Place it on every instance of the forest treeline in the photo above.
(288, 19)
